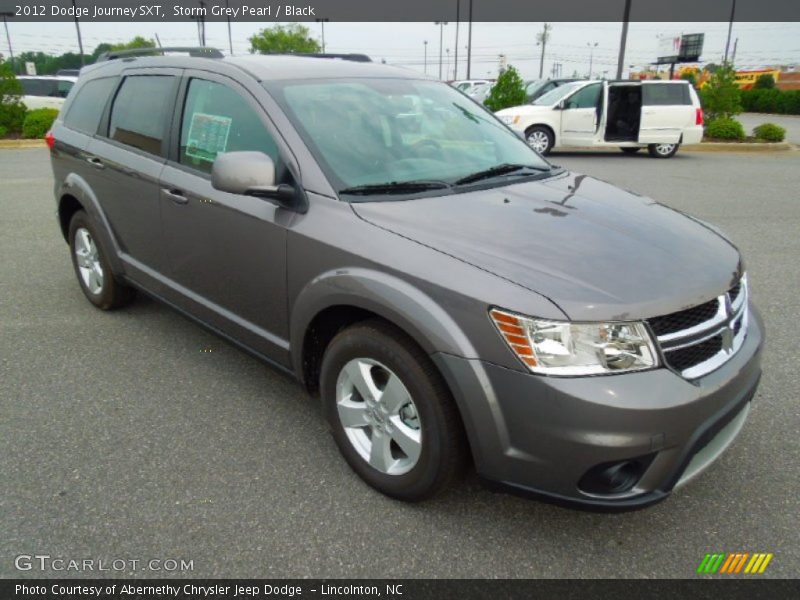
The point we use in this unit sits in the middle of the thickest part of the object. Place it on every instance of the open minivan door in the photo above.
(666, 111)
(580, 115)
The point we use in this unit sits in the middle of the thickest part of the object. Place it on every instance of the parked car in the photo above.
(451, 296)
(539, 87)
(469, 86)
(45, 91)
(657, 115)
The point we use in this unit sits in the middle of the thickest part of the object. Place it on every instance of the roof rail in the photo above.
(352, 57)
(200, 51)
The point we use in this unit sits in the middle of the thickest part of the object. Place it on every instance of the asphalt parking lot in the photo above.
(138, 435)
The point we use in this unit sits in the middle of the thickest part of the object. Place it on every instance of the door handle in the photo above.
(95, 162)
(175, 195)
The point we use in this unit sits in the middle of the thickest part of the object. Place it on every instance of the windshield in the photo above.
(367, 132)
(554, 96)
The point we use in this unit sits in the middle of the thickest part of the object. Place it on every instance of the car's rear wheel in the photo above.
(540, 139)
(92, 268)
(630, 149)
(662, 150)
(390, 413)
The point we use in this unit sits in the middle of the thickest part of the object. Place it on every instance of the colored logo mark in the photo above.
(735, 562)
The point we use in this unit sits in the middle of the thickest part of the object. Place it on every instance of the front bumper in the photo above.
(540, 435)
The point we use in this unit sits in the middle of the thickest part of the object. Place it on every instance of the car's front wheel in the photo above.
(91, 265)
(390, 413)
(540, 139)
(662, 150)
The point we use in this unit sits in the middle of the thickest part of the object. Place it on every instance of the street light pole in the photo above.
(8, 37)
(447, 68)
(730, 27)
(626, 15)
(458, 20)
(78, 29)
(322, 23)
(425, 43)
(591, 56)
(469, 41)
(441, 25)
(230, 39)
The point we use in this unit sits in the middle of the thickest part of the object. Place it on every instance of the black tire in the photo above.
(112, 293)
(443, 451)
(540, 138)
(662, 150)
(630, 149)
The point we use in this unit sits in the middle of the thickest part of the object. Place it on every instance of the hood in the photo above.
(595, 250)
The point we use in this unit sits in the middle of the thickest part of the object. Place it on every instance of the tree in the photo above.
(508, 91)
(690, 77)
(722, 97)
(12, 111)
(137, 42)
(284, 39)
(765, 82)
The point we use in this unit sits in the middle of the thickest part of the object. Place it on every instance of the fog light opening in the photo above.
(614, 477)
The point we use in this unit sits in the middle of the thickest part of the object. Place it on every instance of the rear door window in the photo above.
(140, 110)
(665, 94)
(87, 107)
(217, 119)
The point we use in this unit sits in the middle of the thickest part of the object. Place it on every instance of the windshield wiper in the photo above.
(502, 169)
(395, 187)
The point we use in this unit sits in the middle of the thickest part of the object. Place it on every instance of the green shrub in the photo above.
(508, 91)
(765, 82)
(12, 111)
(38, 122)
(721, 96)
(3, 131)
(769, 132)
(725, 128)
(783, 102)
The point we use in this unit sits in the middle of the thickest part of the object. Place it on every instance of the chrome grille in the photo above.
(698, 340)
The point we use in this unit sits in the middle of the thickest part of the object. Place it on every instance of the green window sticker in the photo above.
(208, 136)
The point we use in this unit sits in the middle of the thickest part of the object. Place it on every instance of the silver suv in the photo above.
(452, 297)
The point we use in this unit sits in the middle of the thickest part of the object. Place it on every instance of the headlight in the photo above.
(509, 119)
(565, 348)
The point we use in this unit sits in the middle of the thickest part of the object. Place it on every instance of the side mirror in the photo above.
(253, 174)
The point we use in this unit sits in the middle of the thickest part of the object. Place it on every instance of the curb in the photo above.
(18, 144)
(739, 147)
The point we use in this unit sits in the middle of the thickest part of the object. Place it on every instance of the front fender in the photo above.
(390, 297)
(76, 186)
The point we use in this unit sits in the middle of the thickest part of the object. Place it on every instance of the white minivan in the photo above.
(45, 91)
(657, 115)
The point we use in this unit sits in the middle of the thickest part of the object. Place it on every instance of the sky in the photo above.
(759, 44)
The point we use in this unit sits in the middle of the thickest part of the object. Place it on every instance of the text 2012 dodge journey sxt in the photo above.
(452, 297)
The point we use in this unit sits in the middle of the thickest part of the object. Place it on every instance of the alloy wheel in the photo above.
(88, 258)
(379, 416)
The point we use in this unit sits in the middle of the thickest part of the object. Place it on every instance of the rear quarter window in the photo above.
(39, 87)
(138, 115)
(87, 107)
(665, 94)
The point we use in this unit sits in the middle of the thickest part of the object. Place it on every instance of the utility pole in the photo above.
(426, 56)
(322, 24)
(6, 15)
(591, 56)
(78, 29)
(447, 67)
(469, 41)
(441, 25)
(458, 19)
(542, 38)
(730, 28)
(230, 39)
(733, 55)
(624, 39)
